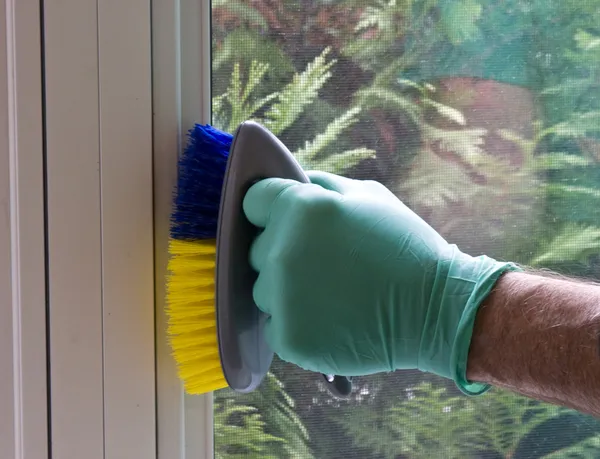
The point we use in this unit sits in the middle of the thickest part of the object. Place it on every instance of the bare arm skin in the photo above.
(535, 335)
(540, 336)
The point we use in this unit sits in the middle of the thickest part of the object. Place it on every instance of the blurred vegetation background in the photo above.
(350, 86)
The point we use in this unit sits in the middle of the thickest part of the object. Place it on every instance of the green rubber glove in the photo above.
(355, 283)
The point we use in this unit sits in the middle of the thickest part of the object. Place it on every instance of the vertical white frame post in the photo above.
(125, 94)
(166, 93)
(74, 228)
(182, 72)
(23, 389)
(100, 228)
(196, 108)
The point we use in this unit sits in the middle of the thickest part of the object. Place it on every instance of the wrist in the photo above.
(538, 335)
(462, 284)
(490, 320)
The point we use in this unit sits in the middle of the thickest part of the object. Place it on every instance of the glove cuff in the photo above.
(462, 284)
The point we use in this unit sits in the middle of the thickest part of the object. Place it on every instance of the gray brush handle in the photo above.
(255, 154)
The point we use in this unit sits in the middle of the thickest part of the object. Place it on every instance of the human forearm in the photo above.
(540, 337)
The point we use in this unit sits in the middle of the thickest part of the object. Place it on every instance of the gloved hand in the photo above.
(356, 283)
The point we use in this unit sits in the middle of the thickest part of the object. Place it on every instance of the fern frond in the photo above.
(504, 419)
(310, 156)
(435, 183)
(260, 103)
(558, 161)
(255, 76)
(586, 449)
(341, 162)
(383, 16)
(568, 86)
(276, 409)
(422, 88)
(240, 431)
(387, 75)
(219, 118)
(379, 97)
(428, 422)
(587, 41)
(298, 94)
(467, 143)
(234, 48)
(424, 423)
(382, 24)
(574, 243)
(450, 113)
(564, 190)
(238, 94)
(579, 125)
(316, 146)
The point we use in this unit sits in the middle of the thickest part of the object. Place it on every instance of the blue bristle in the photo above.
(201, 172)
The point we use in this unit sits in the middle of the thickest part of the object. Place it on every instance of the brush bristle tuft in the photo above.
(199, 185)
(192, 327)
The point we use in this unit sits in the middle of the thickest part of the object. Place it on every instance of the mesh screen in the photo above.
(483, 117)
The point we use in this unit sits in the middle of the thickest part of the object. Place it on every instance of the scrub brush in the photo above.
(214, 328)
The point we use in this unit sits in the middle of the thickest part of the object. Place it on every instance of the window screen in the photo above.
(483, 116)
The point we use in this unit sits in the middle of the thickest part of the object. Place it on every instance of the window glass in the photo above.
(483, 116)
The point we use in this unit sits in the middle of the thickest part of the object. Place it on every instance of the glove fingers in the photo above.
(348, 186)
(262, 196)
(331, 182)
(259, 250)
(261, 294)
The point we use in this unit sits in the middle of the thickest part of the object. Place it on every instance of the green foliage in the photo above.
(384, 28)
(459, 20)
(242, 11)
(381, 25)
(578, 125)
(309, 155)
(298, 94)
(452, 182)
(238, 95)
(427, 422)
(587, 449)
(389, 99)
(573, 243)
(453, 171)
(452, 179)
(560, 161)
(263, 423)
(502, 420)
(240, 432)
(283, 108)
(422, 425)
(567, 95)
(232, 50)
(287, 63)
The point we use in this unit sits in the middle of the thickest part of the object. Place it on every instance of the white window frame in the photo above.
(182, 96)
(23, 391)
(98, 120)
(96, 97)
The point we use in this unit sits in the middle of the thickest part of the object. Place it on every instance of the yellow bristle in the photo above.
(192, 324)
